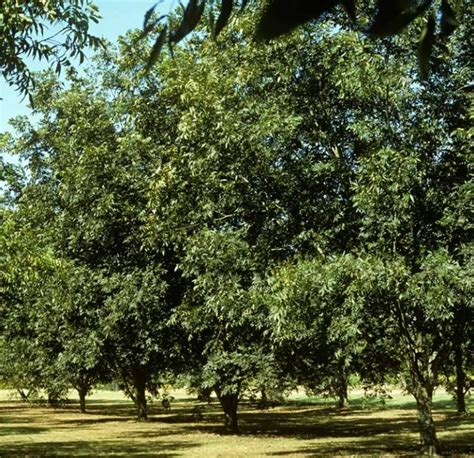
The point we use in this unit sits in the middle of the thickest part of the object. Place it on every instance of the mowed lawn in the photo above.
(302, 427)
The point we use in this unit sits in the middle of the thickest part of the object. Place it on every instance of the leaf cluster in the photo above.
(54, 31)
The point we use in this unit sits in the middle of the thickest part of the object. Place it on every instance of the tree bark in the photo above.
(460, 379)
(423, 369)
(424, 401)
(229, 403)
(140, 398)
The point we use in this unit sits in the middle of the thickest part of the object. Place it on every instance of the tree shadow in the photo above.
(6, 419)
(15, 406)
(323, 430)
(97, 448)
(398, 446)
(373, 435)
(21, 430)
(368, 447)
(116, 409)
(438, 404)
(82, 422)
(314, 426)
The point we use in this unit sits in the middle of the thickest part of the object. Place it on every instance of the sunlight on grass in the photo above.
(303, 427)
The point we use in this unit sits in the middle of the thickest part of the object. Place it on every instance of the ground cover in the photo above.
(302, 427)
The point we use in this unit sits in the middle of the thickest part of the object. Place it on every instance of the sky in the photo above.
(118, 16)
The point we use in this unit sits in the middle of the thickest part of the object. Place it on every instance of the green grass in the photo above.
(302, 427)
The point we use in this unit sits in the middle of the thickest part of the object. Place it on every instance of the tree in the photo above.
(142, 344)
(55, 31)
(77, 298)
(30, 342)
(422, 319)
(247, 181)
(86, 191)
(52, 336)
(201, 202)
(411, 167)
(403, 193)
(183, 188)
(317, 337)
(221, 313)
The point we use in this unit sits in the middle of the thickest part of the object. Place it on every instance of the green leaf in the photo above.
(281, 17)
(224, 15)
(150, 27)
(148, 14)
(448, 20)
(394, 15)
(425, 47)
(192, 15)
(156, 50)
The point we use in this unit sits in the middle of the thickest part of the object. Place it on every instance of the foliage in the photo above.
(29, 342)
(55, 31)
(253, 216)
(318, 337)
(279, 17)
(89, 214)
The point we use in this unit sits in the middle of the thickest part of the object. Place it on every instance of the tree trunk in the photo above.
(82, 398)
(229, 403)
(24, 396)
(264, 399)
(341, 389)
(342, 399)
(140, 398)
(460, 380)
(204, 395)
(53, 400)
(429, 441)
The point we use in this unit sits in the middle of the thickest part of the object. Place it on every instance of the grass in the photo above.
(302, 427)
